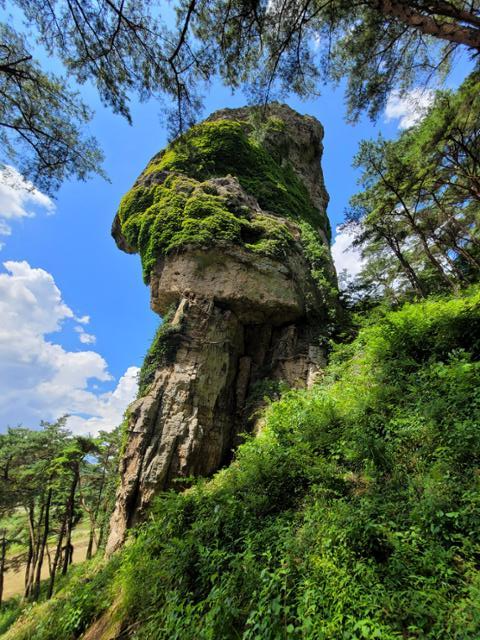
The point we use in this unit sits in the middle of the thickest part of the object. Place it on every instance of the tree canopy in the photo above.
(50, 480)
(416, 218)
(267, 46)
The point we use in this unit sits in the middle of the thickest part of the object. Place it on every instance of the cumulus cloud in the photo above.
(39, 379)
(408, 107)
(87, 338)
(346, 258)
(19, 199)
(109, 409)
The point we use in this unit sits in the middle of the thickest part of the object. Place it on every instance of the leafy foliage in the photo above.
(9, 613)
(319, 258)
(87, 591)
(41, 120)
(269, 47)
(354, 514)
(416, 219)
(50, 480)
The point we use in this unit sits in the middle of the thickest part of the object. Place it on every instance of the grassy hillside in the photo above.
(355, 514)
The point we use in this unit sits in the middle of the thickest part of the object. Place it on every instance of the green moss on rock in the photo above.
(225, 147)
(184, 206)
(319, 259)
(161, 351)
(159, 219)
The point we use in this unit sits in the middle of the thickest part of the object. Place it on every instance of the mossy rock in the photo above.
(176, 203)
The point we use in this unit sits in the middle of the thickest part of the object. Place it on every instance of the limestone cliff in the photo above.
(230, 222)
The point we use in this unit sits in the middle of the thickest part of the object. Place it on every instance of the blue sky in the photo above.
(72, 268)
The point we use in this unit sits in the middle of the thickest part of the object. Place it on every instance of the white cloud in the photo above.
(408, 107)
(110, 406)
(39, 379)
(84, 337)
(19, 199)
(30, 301)
(5, 230)
(346, 257)
(87, 338)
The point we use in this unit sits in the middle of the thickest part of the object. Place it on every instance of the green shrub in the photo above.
(9, 612)
(86, 592)
(354, 514)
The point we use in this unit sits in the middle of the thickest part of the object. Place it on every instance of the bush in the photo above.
(86, 593)
(9, 612)
(354, 514)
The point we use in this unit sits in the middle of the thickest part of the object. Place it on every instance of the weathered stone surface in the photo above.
(241, 320)
(183, 426)
(257, 288)
(299, 142)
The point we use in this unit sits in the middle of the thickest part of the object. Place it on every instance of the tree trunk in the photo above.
(103, 527)
(452, 227)
(56, 560)
(67, 559)
(28, 563)
(3, 554)
(406, 267)
(458, 274)
(41, 550)
(448, 30)
(466, 232)
(409, 217)
(95, 515)
(456, 246)
(433, 261)
(468, 256)
(34, 548)
(90, 543)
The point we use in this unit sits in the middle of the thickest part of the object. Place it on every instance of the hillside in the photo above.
(294, 454)
(354, 513)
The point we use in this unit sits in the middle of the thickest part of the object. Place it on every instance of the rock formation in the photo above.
(230, 222)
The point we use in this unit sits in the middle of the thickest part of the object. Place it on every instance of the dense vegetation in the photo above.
(416, 217)
(354, 514)
(51, 480)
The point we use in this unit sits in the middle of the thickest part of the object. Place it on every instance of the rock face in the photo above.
(230, 222)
